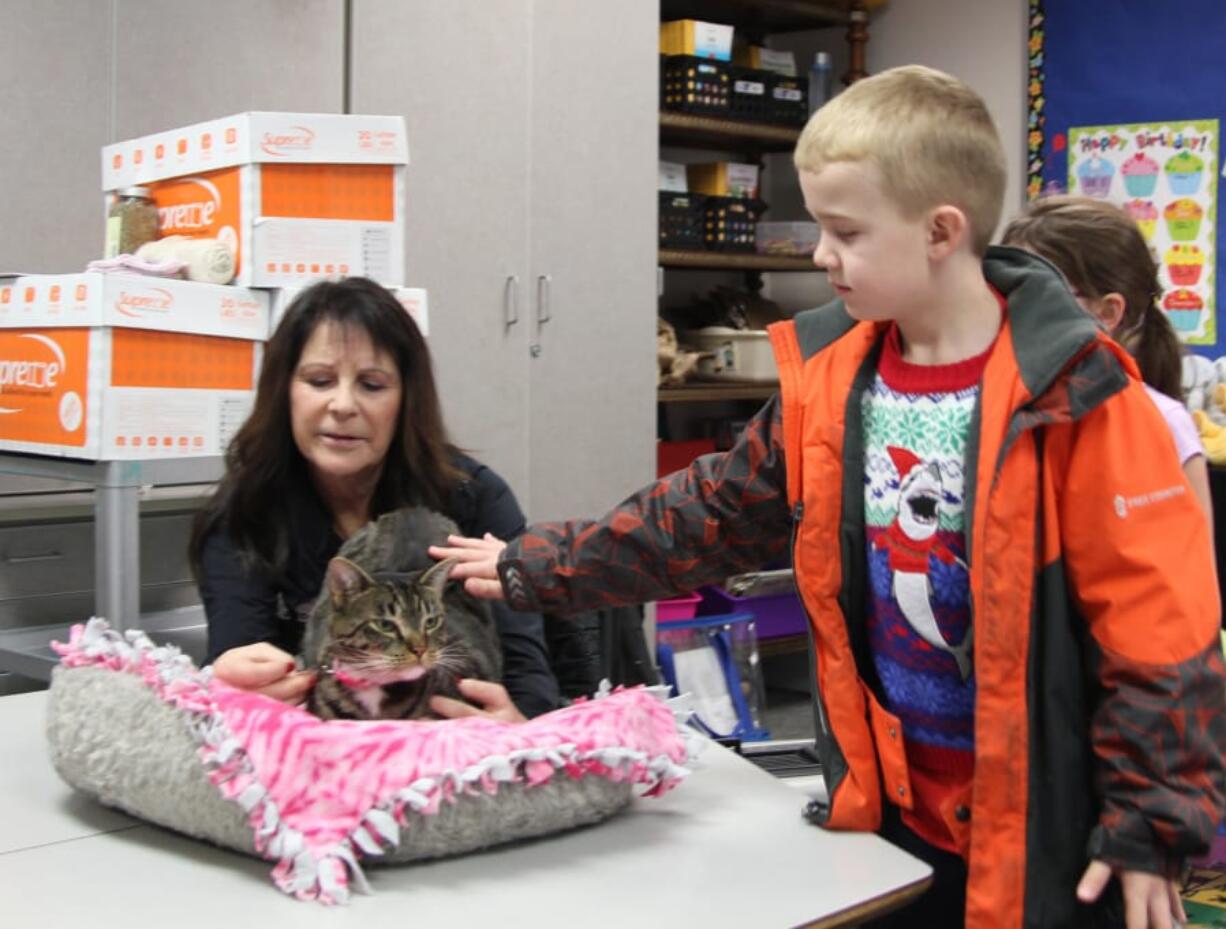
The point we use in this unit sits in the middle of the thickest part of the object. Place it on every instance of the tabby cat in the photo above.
(385, 640)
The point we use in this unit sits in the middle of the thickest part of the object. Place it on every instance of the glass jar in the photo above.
(131, 221)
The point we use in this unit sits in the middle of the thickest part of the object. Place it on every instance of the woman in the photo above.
(346, 426)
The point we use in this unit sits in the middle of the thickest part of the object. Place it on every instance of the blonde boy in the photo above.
(1009, 581)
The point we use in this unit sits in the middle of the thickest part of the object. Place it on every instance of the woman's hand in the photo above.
(478, 563)
(265, 669)
(1150, 900)
(493, 702)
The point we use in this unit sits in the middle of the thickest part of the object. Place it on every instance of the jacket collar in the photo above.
(1048, 328)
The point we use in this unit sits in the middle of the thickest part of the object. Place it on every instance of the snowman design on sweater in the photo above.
(912, 541)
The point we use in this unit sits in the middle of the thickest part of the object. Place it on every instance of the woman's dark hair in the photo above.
(1099, 250)
(263, 463)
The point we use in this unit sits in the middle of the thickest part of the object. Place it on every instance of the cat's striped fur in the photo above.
(384, 642)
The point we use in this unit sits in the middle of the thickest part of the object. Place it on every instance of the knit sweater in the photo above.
(916, 422)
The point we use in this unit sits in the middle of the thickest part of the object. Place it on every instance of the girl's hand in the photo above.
(478, 563)
(493, 702)
(1150, 901)
(265, 669)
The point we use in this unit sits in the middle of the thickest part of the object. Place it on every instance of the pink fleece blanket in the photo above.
(320, 795)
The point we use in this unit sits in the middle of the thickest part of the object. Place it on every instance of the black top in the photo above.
(244, 607)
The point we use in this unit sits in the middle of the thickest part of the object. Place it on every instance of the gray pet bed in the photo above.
(140, 729)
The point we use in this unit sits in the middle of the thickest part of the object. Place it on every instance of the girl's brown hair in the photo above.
(1099, 250)
(263, 462)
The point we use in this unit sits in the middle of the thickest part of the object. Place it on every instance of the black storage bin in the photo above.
(789, 100)
(730, 223)
(682, 220)
(749, 98)
(695, 85)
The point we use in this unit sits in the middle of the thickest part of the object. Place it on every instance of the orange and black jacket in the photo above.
(1100, 722)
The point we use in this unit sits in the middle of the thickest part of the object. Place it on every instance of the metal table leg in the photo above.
(117, 546)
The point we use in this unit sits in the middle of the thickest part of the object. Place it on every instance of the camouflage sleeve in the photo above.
(1160, 738)
(727, 512)
(1140, 557)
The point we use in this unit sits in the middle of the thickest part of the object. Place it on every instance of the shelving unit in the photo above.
(734, 261)
(711, 392)
(754, 19)
(762, 16)
(691, 131)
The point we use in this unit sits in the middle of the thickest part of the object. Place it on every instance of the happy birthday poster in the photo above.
(1164, 175)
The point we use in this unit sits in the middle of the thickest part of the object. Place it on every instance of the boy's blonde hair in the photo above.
(930, 135)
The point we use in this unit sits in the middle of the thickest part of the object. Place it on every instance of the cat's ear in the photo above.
(345, 580)
(435, 579)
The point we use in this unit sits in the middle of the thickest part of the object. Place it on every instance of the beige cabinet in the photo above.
(530, 220)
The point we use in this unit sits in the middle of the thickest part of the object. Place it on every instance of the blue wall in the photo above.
(1111, 62)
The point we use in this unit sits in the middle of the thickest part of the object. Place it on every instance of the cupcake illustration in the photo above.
(1184, 264)
(1183, 173)
(1144, 214)
(1140, 175)
(1183, 218)
(1183, 307)
(1095, 176)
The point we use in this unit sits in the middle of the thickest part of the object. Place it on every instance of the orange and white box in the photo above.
(413, 299)
(298, 196)
(121, 366)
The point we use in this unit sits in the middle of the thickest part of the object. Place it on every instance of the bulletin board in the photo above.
(1153, 76)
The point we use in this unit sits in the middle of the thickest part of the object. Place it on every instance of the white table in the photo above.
(727, 848)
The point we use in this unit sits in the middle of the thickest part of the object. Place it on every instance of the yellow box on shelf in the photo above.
(694, 37)
(723, 179)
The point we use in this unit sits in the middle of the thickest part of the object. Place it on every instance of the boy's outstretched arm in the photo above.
(478, 563)
(1137, 549)
(727, 512)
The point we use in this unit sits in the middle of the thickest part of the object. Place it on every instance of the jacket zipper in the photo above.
(815, 811)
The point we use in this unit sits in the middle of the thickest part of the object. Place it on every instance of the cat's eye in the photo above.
(431, 623)
(386, 626)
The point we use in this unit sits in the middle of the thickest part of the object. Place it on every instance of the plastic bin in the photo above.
(682, 220)
(789, 100)
(695, 85)
(749, 98)
(730, 222)
(799, 239)
(775, 615)
(677, 609)
(714, 660)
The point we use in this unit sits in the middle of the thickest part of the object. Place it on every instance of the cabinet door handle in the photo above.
(543, 312)
(28, 559)
(510, 301)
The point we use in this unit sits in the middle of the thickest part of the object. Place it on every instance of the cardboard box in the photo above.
(298, 196)
(765, 59)
(121, 366)
(694, 37)
(723, 179)
(413, 299)
(673, 177)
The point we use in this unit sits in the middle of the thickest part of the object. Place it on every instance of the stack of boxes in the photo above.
(126, 366)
